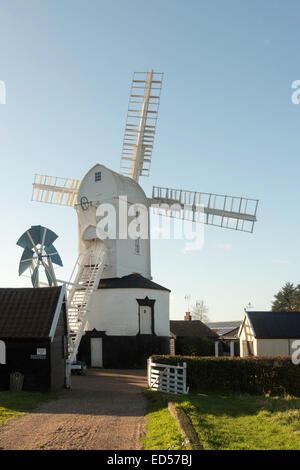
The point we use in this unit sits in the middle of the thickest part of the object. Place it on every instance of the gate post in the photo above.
(149, 362)
(185, 391)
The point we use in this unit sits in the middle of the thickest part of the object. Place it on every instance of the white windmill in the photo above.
(135, 315)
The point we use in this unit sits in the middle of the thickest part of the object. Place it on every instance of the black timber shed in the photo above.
(33, 337)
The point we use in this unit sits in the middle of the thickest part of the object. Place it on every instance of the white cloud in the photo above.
(224, 246)
(281, 262)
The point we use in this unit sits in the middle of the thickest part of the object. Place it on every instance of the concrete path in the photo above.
(104, 410)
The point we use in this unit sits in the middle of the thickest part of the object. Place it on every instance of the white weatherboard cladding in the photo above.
(122, 258)
(275, 347)
(116, 311)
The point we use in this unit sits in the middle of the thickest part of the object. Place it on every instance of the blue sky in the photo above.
(226, 125)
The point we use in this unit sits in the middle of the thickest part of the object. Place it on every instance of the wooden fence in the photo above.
(167, 378)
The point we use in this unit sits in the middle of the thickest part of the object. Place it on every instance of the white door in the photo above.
(96, 352)
(2, 353)
(145, 321)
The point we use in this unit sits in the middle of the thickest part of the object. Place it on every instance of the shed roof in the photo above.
(276, 325)
(191, 328)
(28, 312)
(131, 281)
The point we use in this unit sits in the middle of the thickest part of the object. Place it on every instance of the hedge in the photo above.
(255, 375)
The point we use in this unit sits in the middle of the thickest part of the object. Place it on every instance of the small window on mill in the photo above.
(98, 176)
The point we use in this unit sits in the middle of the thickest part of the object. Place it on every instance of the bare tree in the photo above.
(199, 311)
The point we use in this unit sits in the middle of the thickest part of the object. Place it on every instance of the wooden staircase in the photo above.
(89, 271)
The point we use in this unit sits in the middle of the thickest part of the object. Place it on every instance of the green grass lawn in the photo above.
(236, 421)
(162, 432)
(13, 404)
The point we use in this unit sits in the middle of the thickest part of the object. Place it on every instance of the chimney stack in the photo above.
(187, 316)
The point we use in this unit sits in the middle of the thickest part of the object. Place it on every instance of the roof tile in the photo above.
(191, 328)
(27, 312)
(275, 324)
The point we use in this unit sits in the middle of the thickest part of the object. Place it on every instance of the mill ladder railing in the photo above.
(86, 282)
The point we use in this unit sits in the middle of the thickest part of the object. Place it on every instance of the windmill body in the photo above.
(104, 186)
(117, 315)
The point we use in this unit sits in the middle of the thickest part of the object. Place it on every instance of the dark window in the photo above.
(98, 176)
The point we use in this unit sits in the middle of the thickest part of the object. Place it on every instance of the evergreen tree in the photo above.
(287, 299)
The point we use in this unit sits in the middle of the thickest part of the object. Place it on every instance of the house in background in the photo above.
(225, 327)
(227, 332)
(33, 337)
(269, 333)
(191, 337)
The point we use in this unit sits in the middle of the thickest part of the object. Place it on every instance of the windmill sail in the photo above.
(26, 260)
(39, 252)
(237, 213)
(37, 234)
(35, 277)
(55, 190)
(141, 124)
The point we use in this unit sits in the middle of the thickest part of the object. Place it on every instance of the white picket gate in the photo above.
(167, 378)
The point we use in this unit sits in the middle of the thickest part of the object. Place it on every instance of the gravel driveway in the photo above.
(104, 410)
